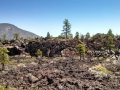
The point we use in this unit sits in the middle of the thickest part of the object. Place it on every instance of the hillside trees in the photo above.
(110, 33)
(117, 36)
(61, 36)
(48, 35)
(70, 36)
(87, 36)
(82, 37)
(77, 36)
(16, 35)
(4, 36)
(81, 50)
(66, 28)
(4, 58)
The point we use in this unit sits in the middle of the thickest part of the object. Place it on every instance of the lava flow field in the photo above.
(51, 74)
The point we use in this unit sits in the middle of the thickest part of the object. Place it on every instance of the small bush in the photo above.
(4, 88)
(39, 53)
(80, 49)
(4, 58)
(103, 69)
(44, 58)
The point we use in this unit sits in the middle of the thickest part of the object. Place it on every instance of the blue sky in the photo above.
(42, 16)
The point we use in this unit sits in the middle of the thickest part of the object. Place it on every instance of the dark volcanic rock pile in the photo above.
(55, 47)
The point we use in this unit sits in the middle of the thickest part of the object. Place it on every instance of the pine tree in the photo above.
(66, 28)
(4, 36)
(82, 37)
(110, 33)
(87, 36)
(4, 58)
(16, 35)
(77, 36)
(110, 43)
(81, 50)
(48, 35)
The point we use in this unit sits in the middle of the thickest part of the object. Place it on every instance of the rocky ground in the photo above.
(60, 74)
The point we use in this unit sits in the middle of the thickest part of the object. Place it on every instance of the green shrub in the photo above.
(103, 69)
(4, 88)
(39, 53)
(4, 58)
(81, 49)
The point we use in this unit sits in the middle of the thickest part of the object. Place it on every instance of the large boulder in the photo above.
(14, 50)
(48, 48)
(68, 52)
(31, 78)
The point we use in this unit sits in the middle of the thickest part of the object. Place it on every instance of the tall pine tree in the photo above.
(66, 28)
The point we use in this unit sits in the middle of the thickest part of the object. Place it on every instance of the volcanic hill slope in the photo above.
(10, 29)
